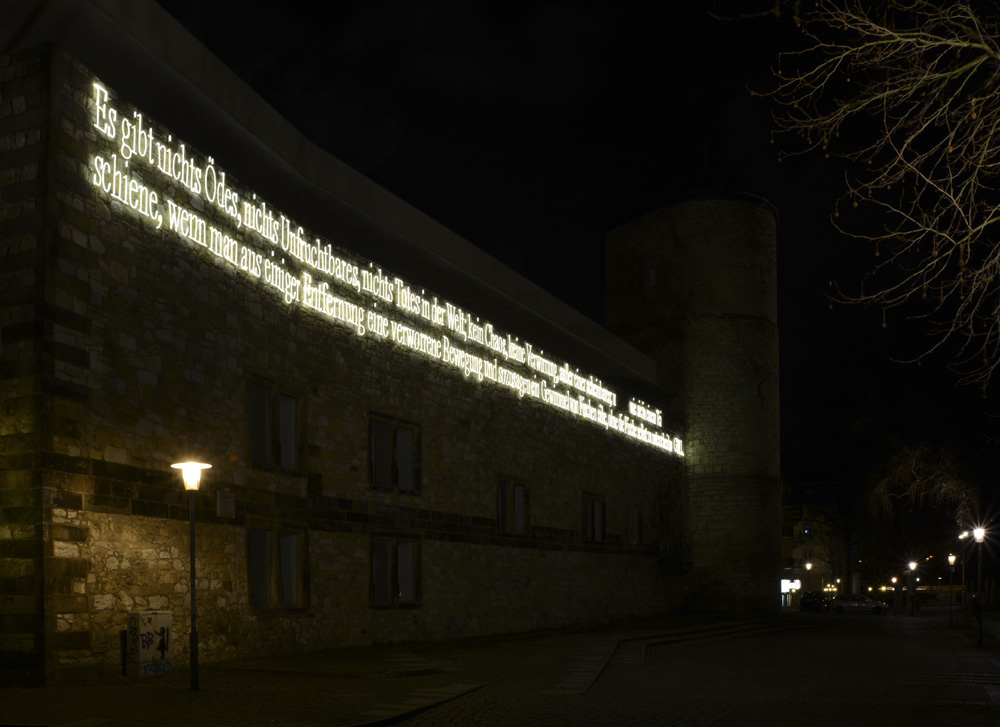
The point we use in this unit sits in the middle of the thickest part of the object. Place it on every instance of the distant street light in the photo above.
(191, 472)
(951, 593)
(963, 536)
(980, 535)
(911, 587)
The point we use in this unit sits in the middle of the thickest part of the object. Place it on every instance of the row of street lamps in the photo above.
(977, 534)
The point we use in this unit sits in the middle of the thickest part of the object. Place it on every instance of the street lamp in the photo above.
(963, 536)
(951, 593)
(911, 587)
(191, 472)
(980, 535)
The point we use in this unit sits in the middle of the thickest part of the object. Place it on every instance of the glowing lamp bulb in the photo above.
(191, 472)
(979, 534)
(951, 560)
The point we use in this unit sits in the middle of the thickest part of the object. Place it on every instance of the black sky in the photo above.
(532, 130)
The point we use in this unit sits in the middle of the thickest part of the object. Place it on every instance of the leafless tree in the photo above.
(908, 92)
(924, 478)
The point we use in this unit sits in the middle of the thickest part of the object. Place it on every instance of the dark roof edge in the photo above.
(164, 59)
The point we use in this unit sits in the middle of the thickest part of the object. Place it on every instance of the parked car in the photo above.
(814, 601)
(857, 603)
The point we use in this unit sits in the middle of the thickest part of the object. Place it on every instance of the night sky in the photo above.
(533, 132)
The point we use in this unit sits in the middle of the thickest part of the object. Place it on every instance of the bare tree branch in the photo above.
(927, 479)
(907, 92)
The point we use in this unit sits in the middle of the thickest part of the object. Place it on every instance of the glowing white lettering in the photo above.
(247, 235)
(114, 180)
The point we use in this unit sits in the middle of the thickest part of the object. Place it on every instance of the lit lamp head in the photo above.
(951, 559)
(913, 565)
(809, 566)
(979, 534)
(191, 471)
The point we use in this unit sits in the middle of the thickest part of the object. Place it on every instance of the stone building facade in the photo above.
(408, 441)
(707, 307)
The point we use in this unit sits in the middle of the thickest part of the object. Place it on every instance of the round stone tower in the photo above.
(694, 285)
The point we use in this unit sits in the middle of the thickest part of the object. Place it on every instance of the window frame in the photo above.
(632, 533)
(507, 506)
(275, 433)
(394, 426)
(394, 595)
(275, 570)
(594, 518)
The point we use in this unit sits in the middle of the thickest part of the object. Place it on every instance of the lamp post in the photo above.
(963, 537)
(911, 587)
(951, 592)
(191, 471)
(980, 535)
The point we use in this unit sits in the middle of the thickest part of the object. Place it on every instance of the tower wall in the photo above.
(694, 285)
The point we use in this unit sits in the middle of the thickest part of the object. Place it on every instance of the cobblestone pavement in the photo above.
(809, 668)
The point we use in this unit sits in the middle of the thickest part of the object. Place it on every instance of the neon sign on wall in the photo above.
(142, 167)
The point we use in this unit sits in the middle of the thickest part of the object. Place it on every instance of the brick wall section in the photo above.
(152, 344)
(694, 285)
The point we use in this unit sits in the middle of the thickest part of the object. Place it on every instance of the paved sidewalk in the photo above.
(610, 676)
(358, 686)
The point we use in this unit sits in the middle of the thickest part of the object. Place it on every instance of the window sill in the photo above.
(264, 612)
(275, 469)
(395, 606)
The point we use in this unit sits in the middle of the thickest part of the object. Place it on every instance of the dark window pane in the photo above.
(404, 459)
(503, 518)
(287, 429)
(260, 423)
(288, 560)
(259, 566)
(406, 572)
(666, 543)
(380, 571)
(519, 510)
(381, 464)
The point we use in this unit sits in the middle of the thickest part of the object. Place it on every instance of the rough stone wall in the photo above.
(694, 285)
(156, 347)
(26, 365)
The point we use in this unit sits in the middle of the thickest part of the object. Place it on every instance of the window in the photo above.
(394, 455)
(633, 527)
(275, 567)
(593, 519)
(666, 534)
(395, 573)
(512, 513)
(274, 427)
